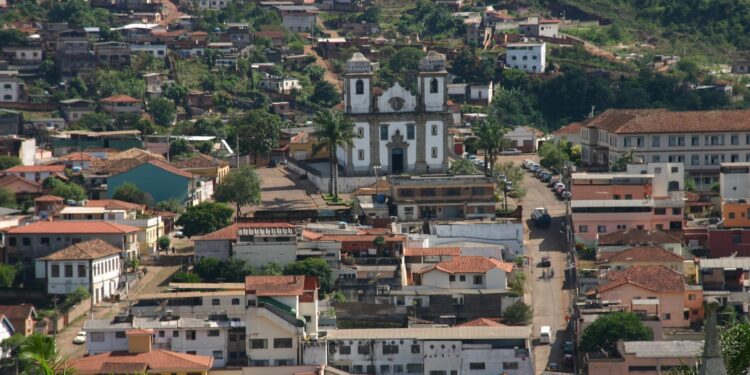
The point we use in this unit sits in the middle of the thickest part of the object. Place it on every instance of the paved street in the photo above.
(549, 300)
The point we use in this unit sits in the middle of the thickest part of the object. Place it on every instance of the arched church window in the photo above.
(360, 87)
(434, 86)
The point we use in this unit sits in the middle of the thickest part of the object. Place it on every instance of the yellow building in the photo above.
(302, 146)
(141, 358)
(204, 165)
(736, 214)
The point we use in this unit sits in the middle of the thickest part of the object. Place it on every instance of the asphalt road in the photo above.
(547, 296)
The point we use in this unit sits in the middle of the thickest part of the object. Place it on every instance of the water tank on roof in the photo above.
(342, 224)
(380, 198)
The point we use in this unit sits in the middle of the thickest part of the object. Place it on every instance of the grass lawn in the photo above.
(191, 71)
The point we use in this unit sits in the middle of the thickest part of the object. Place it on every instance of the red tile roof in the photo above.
(155, 360)
(77, 156)
(11, 178)
(432, 251)
(482, 322)
(88, 250)
(289, 285)
(574, 128)
(635, 237)
(654, 278)
(470, 264)
(631, 121)
(114, 204)
(310, 235)
(200, 161)
(49, 198)
(120, 99)
(640, 254)
(14, 312)
(230, 233)
(36, 168)
(170, 168)
(70, 227)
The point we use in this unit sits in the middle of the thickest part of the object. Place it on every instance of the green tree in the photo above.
(49, 70)
(515, 107)
(76, 297)
(7, 198)
(7, 275)
(518, 313)
(179, 148)
(462, 166)
(7, 161)
(489, 134)
(67, 190)
(517, 283)
(735, 346)
(607, 329)
(176, 92)
(184, 277)
(108, 82)
(170, 205)
(552, 155)
(325, 94)
(371, 15)
(621, 164)
(222, 101)
(315, 72)
(164, 243)
(208, 268)
(128, 192)
(241, 187)
(312, 267)
(39, 355)
(272, 269)
(258, 131)
(333, 129)
(162, 110)
(205, 218)
(94, 121)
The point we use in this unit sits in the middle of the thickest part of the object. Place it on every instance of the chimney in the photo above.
(139, 340)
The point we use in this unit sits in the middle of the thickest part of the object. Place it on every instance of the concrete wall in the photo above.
(508, 234)
(261, 253)
(345, 184)
(217, 249)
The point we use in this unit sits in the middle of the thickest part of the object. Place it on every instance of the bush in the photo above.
(518, 313)
(184, 277)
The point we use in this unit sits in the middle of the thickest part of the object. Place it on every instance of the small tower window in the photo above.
(360, 87)
(433, 86)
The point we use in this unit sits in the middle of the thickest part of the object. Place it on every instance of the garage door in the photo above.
(300, 155)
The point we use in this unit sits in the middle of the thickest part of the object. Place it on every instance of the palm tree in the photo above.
(333, 129)
(40, 356)
(489, 135)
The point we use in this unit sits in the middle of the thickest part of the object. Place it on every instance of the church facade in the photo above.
(399, 131)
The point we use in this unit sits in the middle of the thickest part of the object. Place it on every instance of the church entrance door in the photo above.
(397, 160)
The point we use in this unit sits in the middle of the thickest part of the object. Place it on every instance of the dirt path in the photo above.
(329, 76)
(172, 13)
(595, 50)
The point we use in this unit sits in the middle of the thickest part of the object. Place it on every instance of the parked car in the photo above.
(554, 367)
(526, 164)
(568, 360)
(552, 181)
(568, 347)
(179, 234)
(540, 217)
(565, 195)
(546, 262)
(80, 338)
(510, 151)
(534, 167)
(547, 177)
(471, 157)
(558, 185)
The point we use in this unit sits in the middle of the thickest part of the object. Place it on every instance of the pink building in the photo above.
(646, 357)
(654, 290)
(646, 197)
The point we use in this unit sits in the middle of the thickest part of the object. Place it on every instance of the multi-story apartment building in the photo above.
(734, 180)
(256, 243)
(645, 197)
(10, 86)
(443, 197)
(528, 57)
(446, 350)
(702, 140)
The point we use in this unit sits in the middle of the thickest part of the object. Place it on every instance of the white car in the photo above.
(527, 163)
(80, 338)
(510, 151)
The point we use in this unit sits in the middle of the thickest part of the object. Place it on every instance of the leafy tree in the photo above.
(126, 121)
(39, 355)
(258, 131)
(205, 218)
(607, 329)
(689, 184)
(518, 313)
(176, 92)
(164, 243)
(11, 37)
(553, 155)
(7, 275)
(312, 267)
(180, 148)
(184, 277)
(170, 205)
(371, 15)
(515, 107)
(621, 164)
(315, 72)
(735, 346)
(489, 134)
(128, 192)
(208, 268)
(7, 198)
(222, 101)
(242, 187)
(78, 13)
(67, 190)
(162, 110)
(49, 70)
(76, 297)
(517, 283)
(272, 269)
(109, 82)
(325, 94)
(462, 167)
(94, 121)
(403, 66)
(7, 161)
(333, 129)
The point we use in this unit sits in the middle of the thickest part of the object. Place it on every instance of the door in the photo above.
(397, 160)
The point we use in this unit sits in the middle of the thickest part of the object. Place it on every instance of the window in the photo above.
(385, 369)
(361, 154)
(235, 301)
(462, 278)
(190, 335)
(735, 139)
(361, 132)
(408, 211)
(406, 192)
(161, 333)
(415, 348)
(451, 278)
(363, 349)
(427, 192)
(434, 130)
(398, 369)
(695, 140)
(477, 279)
(677, 211)
(477, 191)
(175, 333)
(213, 333)
(410, 129)
(359, 87)
(68, 270)
(510, 365)
(434, 86)
(691, 297)
(96, 336)
(434, 152)
(218, 354)
(12, 240)
(357, 369)
(390, 349)
(345, 349)
(215, 302)
(81, 270)
(55, 270)
(259, 344)
(120, 334)
(655, 158)
(655, 141)
(452, 192)
(370, 369)
(414, 368)
(25, 241)
(383, 132)
(282, 343)
(44, 241)
(695, 159)
(667, 316)
(660, 211)
(583, 229)
(601, 229)
(476, 366)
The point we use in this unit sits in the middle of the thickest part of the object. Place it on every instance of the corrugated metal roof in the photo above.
(266, 231)
(214, 286)
(664, 349)
(447, 333)
(726, 262)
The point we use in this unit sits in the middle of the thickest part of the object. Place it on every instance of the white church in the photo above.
(399, 131)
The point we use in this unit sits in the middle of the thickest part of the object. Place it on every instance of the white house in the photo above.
(6, 330)
(10, 86)
(94, 265)
(298, 18)
(281, 85)
(529, 57)
(156, 50)
(256, 243)
(467, 272)
(523, 138)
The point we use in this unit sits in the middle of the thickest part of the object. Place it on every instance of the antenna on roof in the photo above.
(591, 114)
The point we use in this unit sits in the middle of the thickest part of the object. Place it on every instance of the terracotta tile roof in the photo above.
(170, 168)
(89, 250)
(635, 237)
(310, 235)
(49, 198)
(63, 227)
(77, 156)
(640, 254)
(269, 34)
(655, 278)
(379, 187)
(11, 178)
(135, 153)
(120, 99)
(14, 312)
(230, 233)
(469, 264)
(574, 128)
(432, 251)
(200, 161)
(155, 360)
(123, 368)
(115, 204)
(123, 165)
(663, 121)
(36, 168)
(289, 285)
(482, 322)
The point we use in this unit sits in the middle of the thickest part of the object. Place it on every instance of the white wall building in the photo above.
(529, 57)
(256, 243)
(298, 18)
(467, 272)
(157, 50)
(94, 265)
(6, 330)
(10, 86)
(734, 180)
